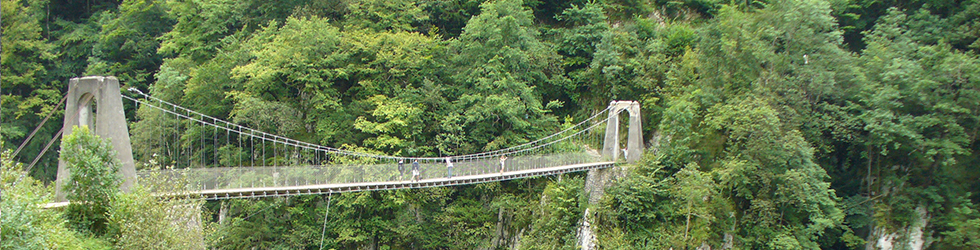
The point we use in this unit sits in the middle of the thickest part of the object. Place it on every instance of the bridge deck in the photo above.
(217, 194)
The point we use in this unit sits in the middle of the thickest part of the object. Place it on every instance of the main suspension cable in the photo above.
(31, 136)
(61, 131)
(305, 145)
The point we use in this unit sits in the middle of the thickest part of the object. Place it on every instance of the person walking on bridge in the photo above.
(503, 158)
(449, 167)
(415, 170)
(401, 169)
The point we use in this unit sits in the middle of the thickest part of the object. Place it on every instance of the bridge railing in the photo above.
(186, 138)
(211, 154)
(274, 177)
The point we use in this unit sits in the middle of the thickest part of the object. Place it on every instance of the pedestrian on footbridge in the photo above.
(401, 169)
(503, 158)
(415, 170)
(449, 167)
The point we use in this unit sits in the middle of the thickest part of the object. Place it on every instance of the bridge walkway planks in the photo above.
(218, 194)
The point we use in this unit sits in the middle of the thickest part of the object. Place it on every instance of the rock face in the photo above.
(504, 236)
(912, 237)
(595, 185)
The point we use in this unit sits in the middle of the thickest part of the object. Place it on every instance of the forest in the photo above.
(769, 124)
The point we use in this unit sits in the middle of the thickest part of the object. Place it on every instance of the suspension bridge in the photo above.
(218, 159)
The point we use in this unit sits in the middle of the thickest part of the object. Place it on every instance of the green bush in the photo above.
(24, 224)
(92, 183)
(142, 220)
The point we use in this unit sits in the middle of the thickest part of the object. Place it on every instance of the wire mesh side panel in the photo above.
(213, 154)
(576, 148)
(297, 176)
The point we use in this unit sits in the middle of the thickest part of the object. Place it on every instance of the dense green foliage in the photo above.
(794, 124)
(101, 216)
(24, 224)
(141, 220)
(482, 216)
(92, 183)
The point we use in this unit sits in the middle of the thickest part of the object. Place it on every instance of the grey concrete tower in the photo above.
(634, 140)
(105, 117)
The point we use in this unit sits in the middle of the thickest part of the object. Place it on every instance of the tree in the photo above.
(201, 27)
(577, 43)
(25, 224)
(93, 182)
(395, 124)
(27, 94)
(155, 133)
(695, 190)
(556, 217)
(782, 197)
(301, 65)
(501, 65)
(142, 219)
(630, 65)
(965, 222)
(24, 49)
(329, 75)
(127, 44)
(448, 17)
(919, 109)
(382, 15)
(639, 211)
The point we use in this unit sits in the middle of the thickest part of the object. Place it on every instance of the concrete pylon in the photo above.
(634, 143)
(107, 120)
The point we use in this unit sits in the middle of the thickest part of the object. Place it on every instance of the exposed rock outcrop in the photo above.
(913, 237)
(595, 186)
